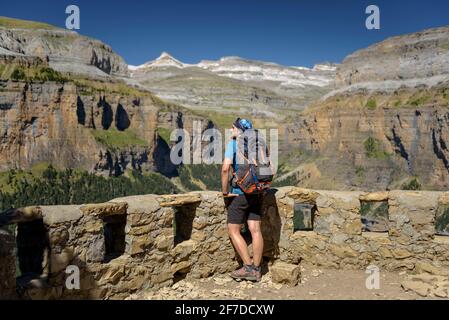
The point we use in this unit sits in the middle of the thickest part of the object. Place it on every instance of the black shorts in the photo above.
(243, 208)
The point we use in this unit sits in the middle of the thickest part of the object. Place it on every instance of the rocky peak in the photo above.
(409, 57)
(164, 60)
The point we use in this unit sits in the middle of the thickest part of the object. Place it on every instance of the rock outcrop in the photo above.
(72, 127)
(387, 121)
(414, 56)
(65, 50)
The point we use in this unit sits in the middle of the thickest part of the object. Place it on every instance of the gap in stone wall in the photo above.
(183, 222)
(32, 251)
(374, 215)
(114, 236)
(442, 220)
(303, 216)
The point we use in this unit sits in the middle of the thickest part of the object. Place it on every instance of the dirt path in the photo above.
(316, 284)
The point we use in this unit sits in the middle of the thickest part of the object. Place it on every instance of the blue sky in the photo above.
(289, 32)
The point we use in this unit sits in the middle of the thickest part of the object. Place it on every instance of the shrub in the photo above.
(412, 185)
(48, 74)
(373, 149)
(371, 104)
(18, 74)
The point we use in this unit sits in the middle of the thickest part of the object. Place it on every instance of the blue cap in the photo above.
(243, 124)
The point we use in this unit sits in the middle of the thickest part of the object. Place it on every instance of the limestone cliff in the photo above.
(65, 50)
(65, 124)
(386, 123)
(418, 55)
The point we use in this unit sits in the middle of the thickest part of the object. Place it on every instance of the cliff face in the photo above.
(388, 121)
(417, 55)
(62, 124)
(66, 51)
(404, 143)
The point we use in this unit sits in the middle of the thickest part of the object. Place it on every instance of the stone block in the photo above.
(163, 243)
(183, 250)
(176, 200)
(112, 274)
(421, 288)
(60, 261)
(343, 251)
(182, 267)
(285, 273)
(104, 209)
(140, 204)
(60, 214)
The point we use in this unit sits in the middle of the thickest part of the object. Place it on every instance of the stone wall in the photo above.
(338, 241)
(7, 266)
(135, 243)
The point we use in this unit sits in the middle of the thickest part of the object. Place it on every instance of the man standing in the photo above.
(242, 208)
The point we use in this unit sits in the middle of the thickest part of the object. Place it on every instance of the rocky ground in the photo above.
(316, 284)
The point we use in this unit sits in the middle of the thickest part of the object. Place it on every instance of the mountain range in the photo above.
(378, 120)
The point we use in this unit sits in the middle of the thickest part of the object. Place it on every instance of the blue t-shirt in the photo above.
(231, 154)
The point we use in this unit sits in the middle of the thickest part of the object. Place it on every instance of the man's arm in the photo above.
(225, 170)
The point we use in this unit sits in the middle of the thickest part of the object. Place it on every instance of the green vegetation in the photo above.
(92, 87)
(2, 69)
(164, 133)
(11, 23)
(442, 220)
(371, 104)
(185, 176)
(19, 73)
(198, 176)
(360, 172)
(373, 149)
(291, 180)
(209, 175)
(115, 139)
(221, 120)
(374, 209)
(71, 186)
(419, 100)
(413, 184)
(48, 74)
(397, 103)
(444, 46)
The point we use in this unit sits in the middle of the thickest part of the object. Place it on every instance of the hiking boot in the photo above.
(246, 272)
(258, 273)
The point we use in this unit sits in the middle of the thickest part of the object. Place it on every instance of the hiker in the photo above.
(244, 200)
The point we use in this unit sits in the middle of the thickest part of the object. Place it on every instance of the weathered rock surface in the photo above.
(65, 50)
(427, 285)
(57, 123)
(418, 55)
(285, 273)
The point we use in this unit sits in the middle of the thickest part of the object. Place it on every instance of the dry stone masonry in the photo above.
(132, 244)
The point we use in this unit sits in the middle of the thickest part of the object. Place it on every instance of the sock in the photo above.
(248, 266)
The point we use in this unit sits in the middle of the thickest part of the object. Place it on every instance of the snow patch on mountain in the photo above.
(320, 75)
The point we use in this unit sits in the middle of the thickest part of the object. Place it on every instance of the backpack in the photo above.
(255, 172)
